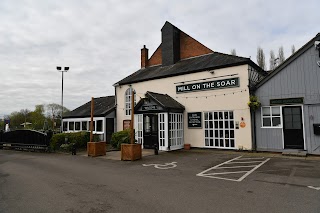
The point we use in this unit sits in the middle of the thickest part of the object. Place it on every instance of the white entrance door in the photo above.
(138, 126)
(163, 131)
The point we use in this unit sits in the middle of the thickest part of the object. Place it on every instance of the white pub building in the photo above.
(186, 93)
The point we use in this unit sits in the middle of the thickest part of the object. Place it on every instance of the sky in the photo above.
(100, 40)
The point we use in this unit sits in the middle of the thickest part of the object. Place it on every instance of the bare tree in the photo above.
(281, 56)
(293, 49)
(54, 112)
(233, 52)
(272, 60)
(261, 58)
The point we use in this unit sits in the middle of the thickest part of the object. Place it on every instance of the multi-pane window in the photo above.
(139, 128)
(271, 116)
(84, 125)
(99, 125)
(65, 126)
(176, 129)
(94, 126)
(77, 126)
(128, 100)
(162, 129)
(219, 129)
(71, 126)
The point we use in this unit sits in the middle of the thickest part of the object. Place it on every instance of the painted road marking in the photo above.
(312, 187)
(213, 172)
(163, 166)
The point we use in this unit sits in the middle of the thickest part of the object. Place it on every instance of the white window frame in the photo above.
(272, 116)
(138, 125)
(176, 131)
(217, 128)
(127, 101)
(163, 131)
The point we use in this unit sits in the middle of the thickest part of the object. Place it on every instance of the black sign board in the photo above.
(194, 120)
(149, 107)
(209, 85)
(286, 101)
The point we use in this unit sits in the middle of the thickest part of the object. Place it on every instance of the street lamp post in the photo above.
(62, 71)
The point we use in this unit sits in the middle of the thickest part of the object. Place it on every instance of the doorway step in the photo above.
(295, 152)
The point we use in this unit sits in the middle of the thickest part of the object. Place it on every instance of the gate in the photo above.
(25, 139)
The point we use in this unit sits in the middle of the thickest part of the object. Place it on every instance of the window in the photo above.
(99, 125)
(219, 129)
(176, 129)
(84, 125)
(77, 126)
(71, 126)
(94, 126)
(271, 116)
(128, 100)
(65, 126)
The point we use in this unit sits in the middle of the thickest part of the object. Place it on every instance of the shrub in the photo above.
(120, 137)
(80, 140)
(57, 140)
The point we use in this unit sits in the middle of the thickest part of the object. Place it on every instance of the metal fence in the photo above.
(25, 139)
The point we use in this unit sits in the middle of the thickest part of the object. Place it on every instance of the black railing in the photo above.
(25, 139)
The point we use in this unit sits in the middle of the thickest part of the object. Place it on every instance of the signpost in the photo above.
(194, 120)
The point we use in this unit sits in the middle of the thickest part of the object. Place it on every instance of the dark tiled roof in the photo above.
(197, 64)
(165, 100)
(102, 107)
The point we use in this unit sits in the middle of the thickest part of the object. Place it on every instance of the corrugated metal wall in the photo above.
(301, 78)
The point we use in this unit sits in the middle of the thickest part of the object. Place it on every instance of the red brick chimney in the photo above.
(144, 57)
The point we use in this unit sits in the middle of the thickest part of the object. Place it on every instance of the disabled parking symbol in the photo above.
(163, 166)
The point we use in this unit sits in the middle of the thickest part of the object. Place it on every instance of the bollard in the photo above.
(73, 149)
(156, 149)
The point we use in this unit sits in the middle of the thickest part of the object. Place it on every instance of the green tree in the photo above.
(37, 117)
(16, 119)
(1, 124)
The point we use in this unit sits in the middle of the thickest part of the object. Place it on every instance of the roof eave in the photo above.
(249, 62)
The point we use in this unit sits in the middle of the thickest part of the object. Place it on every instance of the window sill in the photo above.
(271, 127)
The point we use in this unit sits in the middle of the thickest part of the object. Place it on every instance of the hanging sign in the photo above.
(194, 120)
(209, 85)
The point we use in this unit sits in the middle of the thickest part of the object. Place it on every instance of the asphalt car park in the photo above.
(168, 182)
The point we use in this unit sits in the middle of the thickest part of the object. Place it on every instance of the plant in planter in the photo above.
(121, 140)
(120, 137)
(254, 103)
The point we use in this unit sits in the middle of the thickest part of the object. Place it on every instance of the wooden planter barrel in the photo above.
(131, 152)
(95, 149)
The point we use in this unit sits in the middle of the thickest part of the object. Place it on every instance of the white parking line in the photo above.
(210, 173)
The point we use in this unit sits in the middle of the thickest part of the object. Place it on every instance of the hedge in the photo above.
(80, 139)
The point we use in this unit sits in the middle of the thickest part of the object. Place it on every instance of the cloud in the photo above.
(101, 40)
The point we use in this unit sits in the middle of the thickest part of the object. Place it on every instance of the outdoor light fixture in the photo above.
(62, 71)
